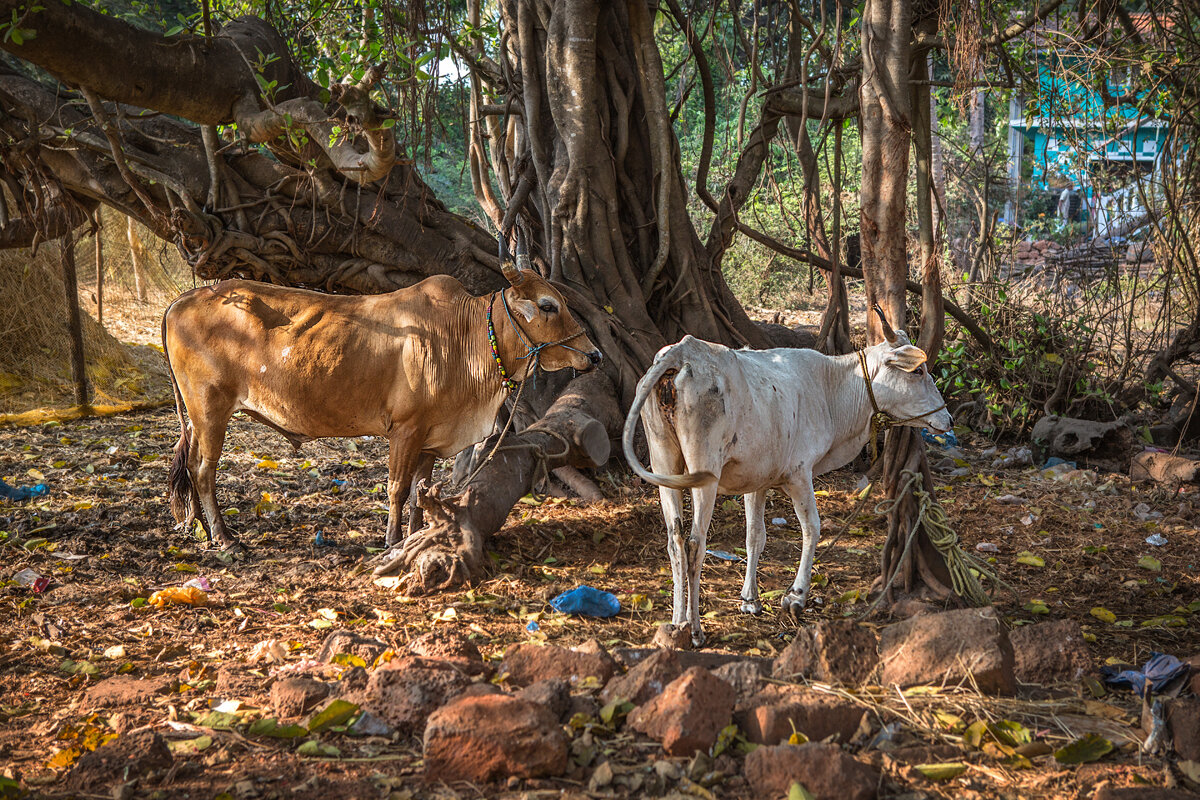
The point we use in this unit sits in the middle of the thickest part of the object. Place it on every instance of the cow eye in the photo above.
(548, 306)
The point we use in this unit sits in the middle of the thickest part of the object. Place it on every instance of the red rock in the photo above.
(405, 691)
(823, 769)
(1163, 468)
(554, 694)
(125, 690)
(449, 645)
(1194, 681)
(123, 759)
(744, 676)
(645, 680)
(291, 697)
(771, 716)
(835, 651)
(947, 647)
(688, 714)
(530, 663)
(337, 642)
(495, 736)
(1183, 722)
(1050, 652)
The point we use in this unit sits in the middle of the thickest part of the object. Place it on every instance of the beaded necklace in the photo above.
(508, 382)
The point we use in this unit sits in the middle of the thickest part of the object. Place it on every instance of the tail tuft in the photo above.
(179, 483)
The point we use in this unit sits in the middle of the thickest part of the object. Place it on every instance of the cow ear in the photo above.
(906, 357)
(525, 308)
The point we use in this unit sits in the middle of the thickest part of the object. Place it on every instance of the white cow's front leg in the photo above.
(672, 509)
(704, 499)
(756, 539)
(805, 503)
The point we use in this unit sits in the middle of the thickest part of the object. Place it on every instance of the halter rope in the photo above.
(882, 420)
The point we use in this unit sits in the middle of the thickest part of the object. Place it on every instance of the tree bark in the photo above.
(74, 321)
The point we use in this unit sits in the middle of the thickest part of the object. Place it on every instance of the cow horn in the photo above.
(889, 332)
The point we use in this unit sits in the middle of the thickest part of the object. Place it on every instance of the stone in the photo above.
(123, 759)
(482, 739)
(948, 647)
(1141, 793)
(449, 645)
(1164, 468)
(744, 676)
(1183, 723)
(352, 687)
(1194, 681)
(1090, 444)
(688, 714)
(291, 697)
(337, 642)
(771, 716)
(529, 663)
(672, 637)
(554, 694)
(1050, 652)
(645, 680)
(823, 769)
(834, 651)
(236, 680)
(405, 691)
(125, 690)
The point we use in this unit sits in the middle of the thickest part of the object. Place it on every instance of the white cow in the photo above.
(744, 421)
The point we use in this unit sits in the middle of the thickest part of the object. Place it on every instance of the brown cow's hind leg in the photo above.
(208, 437)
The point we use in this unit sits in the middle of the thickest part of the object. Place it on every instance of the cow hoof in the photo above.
(793, 604)
(752, 607)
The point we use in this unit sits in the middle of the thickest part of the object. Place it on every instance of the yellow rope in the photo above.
(932, 516)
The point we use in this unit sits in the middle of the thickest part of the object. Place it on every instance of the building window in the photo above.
(1150, 147)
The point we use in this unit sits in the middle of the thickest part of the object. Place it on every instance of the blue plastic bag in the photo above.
(1159, 671)
(943, 440)
(588, 602)
(22, 492)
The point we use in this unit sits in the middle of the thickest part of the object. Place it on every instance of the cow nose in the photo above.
(595, 357)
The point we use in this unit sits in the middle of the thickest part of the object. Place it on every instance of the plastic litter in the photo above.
(724, 555)
(533, 627)
(32, 579)
(338, 482)
(21, 493)
(1011, 500)
(1157, 674)
(1011, 459)
(987, 547)
(1054, 461)
(320, 541)
(200, 583)
(1028, 519)
(368, 724)
(588, 602)
(942, 440)
(1143, 512)
(779, 520)
(179, 595)
(1156, 539)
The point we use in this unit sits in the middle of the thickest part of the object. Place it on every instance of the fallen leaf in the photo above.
(1151, 563)
(1104, 615)
(941, 772)
(1029, 558)
(334, 714)
(1092, 747)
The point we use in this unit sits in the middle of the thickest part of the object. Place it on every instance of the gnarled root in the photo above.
(443, 554)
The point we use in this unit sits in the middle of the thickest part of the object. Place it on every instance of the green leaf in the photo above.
(1151, 563)
(1092, 747)
(797, 792)
(941, 772)
(615, 710)
(336, 713)
(218, 720)
(1036, 607)
(349, 660)
(269, 726)
(314, 748)
(1029, 558)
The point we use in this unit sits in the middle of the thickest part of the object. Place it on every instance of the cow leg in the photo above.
(208, 437)
(704, 498)
(805, 503)
(424, 472)
(756, 539)
(402, 464)
(672, 509)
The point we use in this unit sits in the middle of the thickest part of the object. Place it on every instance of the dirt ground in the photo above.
(105, 539)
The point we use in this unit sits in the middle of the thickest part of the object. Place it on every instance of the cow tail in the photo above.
(644, 388)
(179, 480)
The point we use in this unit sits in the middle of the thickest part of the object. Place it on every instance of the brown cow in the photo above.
(418, 366)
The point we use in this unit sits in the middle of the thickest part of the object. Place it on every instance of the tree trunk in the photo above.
(74, 321)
